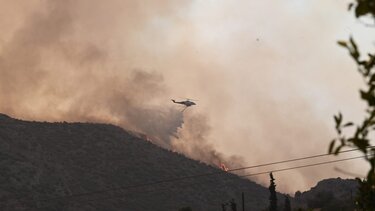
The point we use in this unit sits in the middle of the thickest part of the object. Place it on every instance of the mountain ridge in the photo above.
(329, 194)
(41, 160)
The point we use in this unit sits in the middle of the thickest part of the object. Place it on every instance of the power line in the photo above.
(248, 175)
(193, 176)
(294, 159)
(303, 166)
(209, 174)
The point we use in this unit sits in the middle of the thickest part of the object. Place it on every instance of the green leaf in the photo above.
(355, 55)
(354, 51)
(352, 42)
(338, 119)
(342, 43)
(372, 79)
(350, 6)
(348, 124)
(331, 145)
(371, 62)
(368, 97)
(361, 143)
(361, 9)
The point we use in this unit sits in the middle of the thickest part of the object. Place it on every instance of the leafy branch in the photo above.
(363, 7)
(360, 138)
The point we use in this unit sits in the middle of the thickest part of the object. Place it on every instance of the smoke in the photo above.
(50, 72)
(192, 139)
(262, 74)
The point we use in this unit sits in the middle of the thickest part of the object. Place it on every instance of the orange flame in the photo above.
(223, 167)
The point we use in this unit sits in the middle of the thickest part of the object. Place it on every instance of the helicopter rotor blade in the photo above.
(184, 98)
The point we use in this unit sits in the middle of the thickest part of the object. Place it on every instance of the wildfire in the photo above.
(147, 138)
(142, 136)
(223, 167)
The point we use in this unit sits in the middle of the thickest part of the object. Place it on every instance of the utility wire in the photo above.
(303, 166)
(195, 176)
(292, 160)
(247, 175)
(191, 176)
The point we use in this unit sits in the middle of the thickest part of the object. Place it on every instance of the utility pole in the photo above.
(243, 201)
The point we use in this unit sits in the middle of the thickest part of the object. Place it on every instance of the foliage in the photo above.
(360, 138)
(287, 206)
(233, 205)
(51, 160)
(363, 7)
(273, 197)
(320, 200)
(326, 201)
(367, 196)
(297, 194)
(329, 194)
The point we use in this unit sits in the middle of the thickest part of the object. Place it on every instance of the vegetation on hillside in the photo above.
(328, 194)
(84, 166)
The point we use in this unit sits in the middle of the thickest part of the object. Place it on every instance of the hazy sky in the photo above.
(268, 74)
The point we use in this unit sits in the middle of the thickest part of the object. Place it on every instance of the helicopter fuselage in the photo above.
(186, 103)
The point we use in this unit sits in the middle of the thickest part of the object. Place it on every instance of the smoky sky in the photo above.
(265, 75)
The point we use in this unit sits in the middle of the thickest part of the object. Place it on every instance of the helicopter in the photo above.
(187, 103)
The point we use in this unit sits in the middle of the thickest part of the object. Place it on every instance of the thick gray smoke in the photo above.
(192, 141)
(262, 74)
(51, 69)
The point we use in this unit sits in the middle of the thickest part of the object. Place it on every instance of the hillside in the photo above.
(330, 194)
(58, 166)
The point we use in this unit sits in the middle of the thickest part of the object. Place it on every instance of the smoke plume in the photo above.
(52, 71)
(262, 74)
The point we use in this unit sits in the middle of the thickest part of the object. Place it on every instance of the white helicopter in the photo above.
(187, 103)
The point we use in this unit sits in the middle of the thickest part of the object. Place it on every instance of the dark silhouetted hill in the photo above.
(330, 194)
(52, 166)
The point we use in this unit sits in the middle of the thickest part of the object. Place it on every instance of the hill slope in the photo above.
(330, 194)
(62, 162)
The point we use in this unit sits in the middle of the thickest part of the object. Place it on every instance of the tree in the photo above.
(233, 205)
(360, 138)
(223, 206)
(273, 197)
(297, 194)
(320, 200)
(287, 206)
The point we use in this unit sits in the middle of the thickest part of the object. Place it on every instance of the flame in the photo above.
(223, 167)
(142, 136)
(147, 138)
